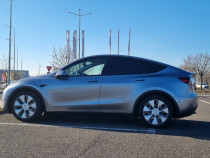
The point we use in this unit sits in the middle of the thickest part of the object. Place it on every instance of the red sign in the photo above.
(49, 68)
(3, 76)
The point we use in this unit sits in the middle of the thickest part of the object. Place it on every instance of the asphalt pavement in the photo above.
(66, 135)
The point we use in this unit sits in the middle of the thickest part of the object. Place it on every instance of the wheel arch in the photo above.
(156, 92)
(25, 88)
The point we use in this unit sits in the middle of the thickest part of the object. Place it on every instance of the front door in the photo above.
(79, 91)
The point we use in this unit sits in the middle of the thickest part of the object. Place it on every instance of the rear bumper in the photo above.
(189, 111)
(187, 105)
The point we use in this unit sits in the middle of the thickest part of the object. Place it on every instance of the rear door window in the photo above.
(126, 66)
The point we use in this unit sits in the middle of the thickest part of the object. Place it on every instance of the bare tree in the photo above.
(61, 58)
(199, 63)
(186, 67)
(4, 62)
(206, 78)
(4, 65)
(40, 69)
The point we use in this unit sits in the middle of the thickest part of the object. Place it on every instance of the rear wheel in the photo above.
(155, 111)
(26, 106)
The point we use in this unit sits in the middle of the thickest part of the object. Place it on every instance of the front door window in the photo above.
(89, 67)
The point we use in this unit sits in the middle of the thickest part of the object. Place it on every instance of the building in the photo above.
(14, 75)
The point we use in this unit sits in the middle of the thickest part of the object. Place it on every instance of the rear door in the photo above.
(124, 80)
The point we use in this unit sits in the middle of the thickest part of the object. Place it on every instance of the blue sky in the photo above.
(162, 30)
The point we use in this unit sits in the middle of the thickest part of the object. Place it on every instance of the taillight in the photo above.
(185, 80)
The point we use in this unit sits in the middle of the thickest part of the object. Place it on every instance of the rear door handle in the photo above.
(139, 80)
(92, 81)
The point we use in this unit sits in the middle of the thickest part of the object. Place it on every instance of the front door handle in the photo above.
(92, 81)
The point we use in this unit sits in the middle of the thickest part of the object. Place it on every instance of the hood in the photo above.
(36, 81)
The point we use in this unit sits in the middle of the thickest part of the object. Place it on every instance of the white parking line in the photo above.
(204, 101)
(150, 130)
(24, 124)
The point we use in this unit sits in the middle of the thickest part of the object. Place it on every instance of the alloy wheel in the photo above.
(25, 106)
(155, 112)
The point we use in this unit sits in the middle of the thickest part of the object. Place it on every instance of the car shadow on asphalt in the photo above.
(94, 121)
(177, 127)
(187, 128)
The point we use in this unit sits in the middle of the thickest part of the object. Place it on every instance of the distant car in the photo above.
(6, 84)
(150, 91)
(204, 86)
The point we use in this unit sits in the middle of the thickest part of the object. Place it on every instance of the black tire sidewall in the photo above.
(152, 97)
(39, 107)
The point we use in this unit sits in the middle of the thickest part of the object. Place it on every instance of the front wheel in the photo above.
(155, 111)
(26, 106)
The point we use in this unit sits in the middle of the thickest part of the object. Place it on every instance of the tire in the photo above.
(26, 106)
(155, 111)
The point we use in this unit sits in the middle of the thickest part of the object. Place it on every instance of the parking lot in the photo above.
(64, 135)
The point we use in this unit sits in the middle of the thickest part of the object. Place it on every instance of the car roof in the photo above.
(114, 55)
(126, 56)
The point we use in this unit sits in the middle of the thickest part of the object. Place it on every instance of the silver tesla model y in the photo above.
(151, 91)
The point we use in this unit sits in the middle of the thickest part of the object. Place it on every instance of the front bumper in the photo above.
(5, 97)
(1, 105)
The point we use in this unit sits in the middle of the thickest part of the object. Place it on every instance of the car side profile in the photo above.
(151, 91)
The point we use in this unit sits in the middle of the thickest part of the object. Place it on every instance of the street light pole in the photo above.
(79, 15)
(21, 64)
(10, 31)
(14, 48)
(79, 31)
(14, 53)
(118, 41)
(17, 64)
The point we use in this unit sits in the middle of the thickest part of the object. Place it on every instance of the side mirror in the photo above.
(61, 73)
